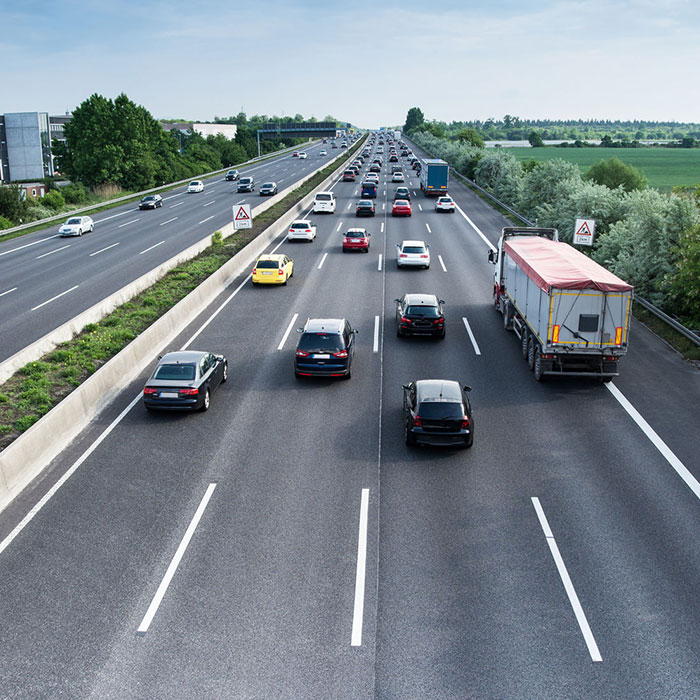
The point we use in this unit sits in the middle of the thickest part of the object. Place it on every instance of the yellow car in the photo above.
(273, 269)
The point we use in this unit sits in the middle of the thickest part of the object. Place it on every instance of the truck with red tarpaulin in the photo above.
(570, 314)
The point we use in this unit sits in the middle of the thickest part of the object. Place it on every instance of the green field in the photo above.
(663, 167)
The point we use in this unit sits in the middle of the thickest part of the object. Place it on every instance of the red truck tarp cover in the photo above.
(551, 264)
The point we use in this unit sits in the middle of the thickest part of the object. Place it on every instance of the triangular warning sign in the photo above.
(584, 230)
(241, 215)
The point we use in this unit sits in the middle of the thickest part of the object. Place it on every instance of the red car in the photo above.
(356, 239)
(402, 207)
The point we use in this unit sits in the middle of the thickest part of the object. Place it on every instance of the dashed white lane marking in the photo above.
(471, 336)
(28, 245)
(339, 225)
(428, 227)
(2, 294)
(382, 228)
(208, 203)
(102, 250)
(58, 296)
(168, 221)
(375, 344)
(128, 223)
(151, 248)
(420, 207)
(323, 259)
(177, 204)
(379, 263)
(51, 252)
(209, 218)
(444, 269)
(288, 331)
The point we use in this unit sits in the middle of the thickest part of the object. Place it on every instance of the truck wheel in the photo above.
(531, 350)
(507, 315)
(539, 374)
(523, 343)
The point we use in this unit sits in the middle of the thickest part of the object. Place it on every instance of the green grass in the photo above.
(663, 167)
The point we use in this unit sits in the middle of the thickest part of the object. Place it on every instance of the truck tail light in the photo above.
(618, 335)
(610, 358)
(555, 334)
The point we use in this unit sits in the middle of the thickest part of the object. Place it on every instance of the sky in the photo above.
(362, 62)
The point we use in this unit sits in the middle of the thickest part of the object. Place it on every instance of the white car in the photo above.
(324, 201)
(302, 154)
(324, 152)
(301, 230)
(397, 177)
(445, 204)
(372, 177)
(77, 226)
(413, 254)
(195, 186)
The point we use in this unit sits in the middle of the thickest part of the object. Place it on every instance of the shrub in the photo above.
(614, 173)
(5, 223)
(75, 193)
(53, 200)
(217, 239)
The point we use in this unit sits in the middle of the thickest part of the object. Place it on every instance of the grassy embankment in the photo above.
(39, 386)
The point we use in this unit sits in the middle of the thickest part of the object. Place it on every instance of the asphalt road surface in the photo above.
(287, 544)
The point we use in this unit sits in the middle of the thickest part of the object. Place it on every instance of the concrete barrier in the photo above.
(25, 458)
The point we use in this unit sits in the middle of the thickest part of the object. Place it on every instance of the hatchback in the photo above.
(401, 207)
(195, 186)
(232, 175)
(301, 230)
(185, 380)
(402, 193)
(356, 239)
(397, 177)
(325, 348)
(365, 207)
(445, 204)
(268, 189)
(437, 412)
(349, 176)
(413, 254)
(272, 269)
(420, 314)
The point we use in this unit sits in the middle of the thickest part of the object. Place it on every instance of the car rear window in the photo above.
(298, 225)
(440, 410)
(323, 198)
(184, 372)
(267, 264)
(400, 203)
(413, 249)
(320, 342)
(425, 311)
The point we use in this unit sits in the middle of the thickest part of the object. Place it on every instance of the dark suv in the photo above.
(420, 314)
(325, 348)
(438, 412)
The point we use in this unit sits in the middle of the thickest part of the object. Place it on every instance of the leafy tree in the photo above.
(535, 139)
(470, 136)
(614, 173)
(685, 282)
(13, 204)
(414, 118)
(547, 182)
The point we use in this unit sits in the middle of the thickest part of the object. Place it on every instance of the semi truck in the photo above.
(434, 175)
(570, 314)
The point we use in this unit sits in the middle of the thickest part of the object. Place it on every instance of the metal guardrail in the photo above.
(110, 202)
(691, 335)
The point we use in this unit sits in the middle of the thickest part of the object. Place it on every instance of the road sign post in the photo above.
(583, 232)
(242, 216)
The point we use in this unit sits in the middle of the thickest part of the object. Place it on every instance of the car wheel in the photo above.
(224, 377)
(470, 442)
(427, 267)
(442, 335)
(409, 437)
(284, 284)
(92, 227)
(80, 232)
(348, 375)
(207, 401)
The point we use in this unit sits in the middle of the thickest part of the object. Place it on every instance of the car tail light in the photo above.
(149, 391)
(405, 320)
(340, 353)
(424, 256)
(280, 272)
(308, 230)
(189, 392)
(465, 423)
(403, 255)
(301, 353)
(438, 321)
(255, 269)
(417, 422)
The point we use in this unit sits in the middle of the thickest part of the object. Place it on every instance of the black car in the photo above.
(416, 165)
(393, 158)
(365, 207)
(402, 193)
(325, 348)
(375, 168)
(151, 201)
(232, 175)
(268, 188)
(185, 380)
(420, 314)
(246, 184)
(437, 412)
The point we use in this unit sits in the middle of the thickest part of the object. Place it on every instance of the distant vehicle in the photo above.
(401, 207)
(356, 239)
(325, 349)
(151, 201)
(295, 154)
(393, 158)
(397, 177)
(402, 193)
(420, 314)
(434, 177)
(372, 177)
(272, 269)
(77, 226)
(438, 412)
(302, 155)
(301, 230)
(369, 189)
(324, 202)
(246, 184)
(185, 380)
(333, 145)
(365, 207)
(349, 176)
(232, 175)
(412, 254)
(445, 204)
(268, 188)
(195, 186)
(375, 168)
(323, 152)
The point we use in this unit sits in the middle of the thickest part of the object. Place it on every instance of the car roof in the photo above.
(353, 231)
(182, 356)
(438, 390)
(403, 243)
(306, 222)
(271, 256)
(269, 184)
(326, 192)
(421, 299)
(330, 325)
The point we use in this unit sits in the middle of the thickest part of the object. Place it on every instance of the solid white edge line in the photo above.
(471, 336)
(167, 578)
(375, 345)
(58, 296)
(568, 585)
(97, 252)
(475, 227)
(323, 259)
(666, 452)
(358, 609)
(152, 247)
(2, 294)
(51, 252)
(28, 245)
(288, 331)
(379, 263)
(444, 269)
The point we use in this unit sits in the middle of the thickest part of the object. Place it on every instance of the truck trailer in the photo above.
(570, 314)
(434, 177)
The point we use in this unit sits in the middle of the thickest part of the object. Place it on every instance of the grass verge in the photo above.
(38, 386)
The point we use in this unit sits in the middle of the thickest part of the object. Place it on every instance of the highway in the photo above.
(287, 544)
(46, 280)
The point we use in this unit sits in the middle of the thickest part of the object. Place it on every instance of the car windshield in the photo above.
(425, 311)
(269, 184)
(184, 372)
(413, 249)
(72, 222)
(267, 264)
(440, 410)
(148, 199)
(320, 342)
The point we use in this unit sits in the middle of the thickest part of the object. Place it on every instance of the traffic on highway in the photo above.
(294, 501)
